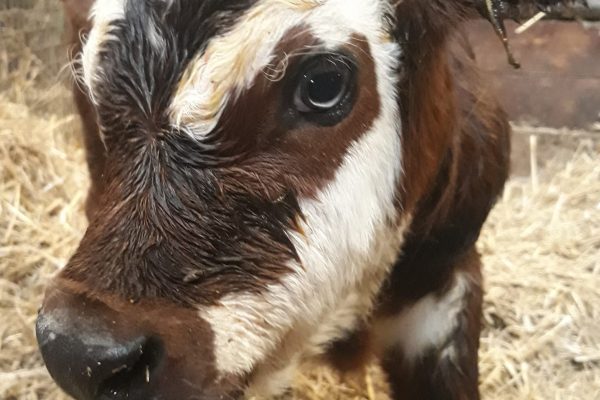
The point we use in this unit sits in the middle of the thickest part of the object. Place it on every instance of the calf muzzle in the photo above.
(106, 349)
(89, 365)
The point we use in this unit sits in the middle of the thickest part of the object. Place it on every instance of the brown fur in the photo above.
(433, 376)
(146, 222)
(456, 155)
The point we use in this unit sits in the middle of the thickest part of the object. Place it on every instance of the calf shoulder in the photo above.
(465, 181)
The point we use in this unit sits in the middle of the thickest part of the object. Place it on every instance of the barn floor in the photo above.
(541, 248)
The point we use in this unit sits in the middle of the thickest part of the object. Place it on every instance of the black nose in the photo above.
(88, 363)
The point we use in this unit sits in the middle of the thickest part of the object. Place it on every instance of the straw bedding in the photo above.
(541, 247)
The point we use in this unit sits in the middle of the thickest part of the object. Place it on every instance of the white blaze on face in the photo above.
(352, 228)
(103, 13)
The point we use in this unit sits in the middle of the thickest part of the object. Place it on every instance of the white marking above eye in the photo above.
(232, 61)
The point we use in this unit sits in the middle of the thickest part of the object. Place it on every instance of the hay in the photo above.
(541, 248)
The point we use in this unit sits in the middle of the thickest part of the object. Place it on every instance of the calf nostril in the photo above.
(131, 379)
(92, 364)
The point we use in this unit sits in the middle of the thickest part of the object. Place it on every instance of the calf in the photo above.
(275, 181)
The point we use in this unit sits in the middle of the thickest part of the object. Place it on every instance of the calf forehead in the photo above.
(145, 45)
(187, 59)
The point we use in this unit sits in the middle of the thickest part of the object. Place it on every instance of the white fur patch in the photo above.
(353, 234)
(230, 64)
(232, 61)
(425, 325)
(102, 14)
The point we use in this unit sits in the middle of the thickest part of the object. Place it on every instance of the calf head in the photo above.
(256, 190)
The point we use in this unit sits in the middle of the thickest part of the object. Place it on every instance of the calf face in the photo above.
(250, 208)
(273, 180)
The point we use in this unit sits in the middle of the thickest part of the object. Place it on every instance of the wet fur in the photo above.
(455, 140)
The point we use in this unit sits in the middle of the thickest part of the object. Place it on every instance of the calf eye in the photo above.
(324, 89)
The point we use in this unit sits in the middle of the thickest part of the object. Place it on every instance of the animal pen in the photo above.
(541, 245)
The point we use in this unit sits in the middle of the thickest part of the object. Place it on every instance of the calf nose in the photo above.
(90, 363)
